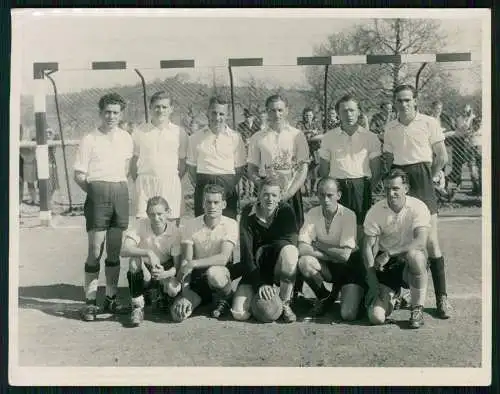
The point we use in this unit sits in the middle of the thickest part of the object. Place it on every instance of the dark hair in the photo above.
(385, 102)
(214, 188)
(217, 100)
(112, 98)
(436, 102)
(345, 99)
(274, 98)
(400, 88)
(161, 95)
(397, 173)
(306, 110)
(157, 200)
(327, 179)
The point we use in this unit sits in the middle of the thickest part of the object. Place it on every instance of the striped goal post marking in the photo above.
(41, 68)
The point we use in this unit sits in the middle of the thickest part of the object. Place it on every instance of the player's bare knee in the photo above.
(307, 266)
(288, 259)
(376, 315)
(417, 260)
(218, 277)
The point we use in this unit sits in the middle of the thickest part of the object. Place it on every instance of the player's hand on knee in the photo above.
(154, 261)
(267, 292)
(381, 260)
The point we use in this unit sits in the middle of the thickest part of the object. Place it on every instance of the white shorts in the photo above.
(168, 187)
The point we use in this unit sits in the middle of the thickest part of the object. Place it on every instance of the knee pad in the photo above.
(136, 283)
(240, 315)
(109, 263)
(376, 315)
(92, 268)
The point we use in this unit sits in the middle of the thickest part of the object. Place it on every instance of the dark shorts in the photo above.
(392, 275)
(421, 184)
(267, 263)
(229, 185)
(298, 208)
(357, 196)
(353, 272)
(199, 282)
(106, 206)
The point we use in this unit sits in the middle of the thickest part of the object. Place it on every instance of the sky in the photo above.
(75, 39)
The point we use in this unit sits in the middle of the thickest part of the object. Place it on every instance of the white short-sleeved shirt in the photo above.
(342, 231)
(207, 241)
(216, 154)
(159, 150)
(350, 156)
(103, 156)
(284, 151)
(395, 230)
(413, 143)
(164, 245)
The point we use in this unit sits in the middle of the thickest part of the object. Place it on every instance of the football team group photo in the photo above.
(220, 215)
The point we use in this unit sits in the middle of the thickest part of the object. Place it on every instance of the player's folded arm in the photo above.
(220, 259)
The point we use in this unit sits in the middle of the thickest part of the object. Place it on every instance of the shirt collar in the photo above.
(253, 211)
(386, 205)
(226, 130)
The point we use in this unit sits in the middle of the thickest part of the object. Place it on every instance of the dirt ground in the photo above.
(51, 333)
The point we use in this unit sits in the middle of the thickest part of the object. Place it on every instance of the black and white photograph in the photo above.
(204, 194)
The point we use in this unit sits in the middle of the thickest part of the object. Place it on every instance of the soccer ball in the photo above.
(266, 311)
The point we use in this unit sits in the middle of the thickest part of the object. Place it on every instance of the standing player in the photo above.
(160, 149)
(153, 245)
(394, 250)
(282, 150)
(216, 154)
(101, 168)
(207, 247)
(327, 242)
(352, 155)
(415, 143)
(380, 119)
(268, 251)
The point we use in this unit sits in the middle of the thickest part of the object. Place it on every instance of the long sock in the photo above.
(138, 302)
(112, 270)
(418, 295)
(438, 275)
(136, 283)
(286, 290)
(318, 289)
(91, 283)
(299, 283)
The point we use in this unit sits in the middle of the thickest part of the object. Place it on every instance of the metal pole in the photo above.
(325, 100)
(232, 96)
(62, 140)
(144, 94)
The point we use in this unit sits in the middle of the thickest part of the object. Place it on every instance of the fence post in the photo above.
(325, 100)
(42, 149)
(144, 94)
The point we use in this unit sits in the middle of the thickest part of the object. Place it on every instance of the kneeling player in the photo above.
(326, 244)
(268, 239)
(153, 246)
(207, 247)
(401, 224)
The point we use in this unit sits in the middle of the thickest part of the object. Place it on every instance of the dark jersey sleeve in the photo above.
(286, 223)
(247, 253)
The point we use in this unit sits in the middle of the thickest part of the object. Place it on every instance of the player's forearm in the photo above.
(134, 251)
(297, 182)
(309, 250)
(376, 170)
(181, 167)
(192, 173)
(438, 164)
(340, 255)
(220, 259)
(133, 167)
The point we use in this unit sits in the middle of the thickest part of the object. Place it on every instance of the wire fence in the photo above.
(457, 86)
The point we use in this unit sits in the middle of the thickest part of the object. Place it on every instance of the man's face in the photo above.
(213, 205)
(333, 115)
(276, 113)
(437, 109)
(269, 197)
(111, 115)
(161, 109)
(395, 191)
(405, 102)
(217, 116)
(387, 108)
(158, 215)
(309, 116)
(349, 113)
(467, 110)
(329, 196)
